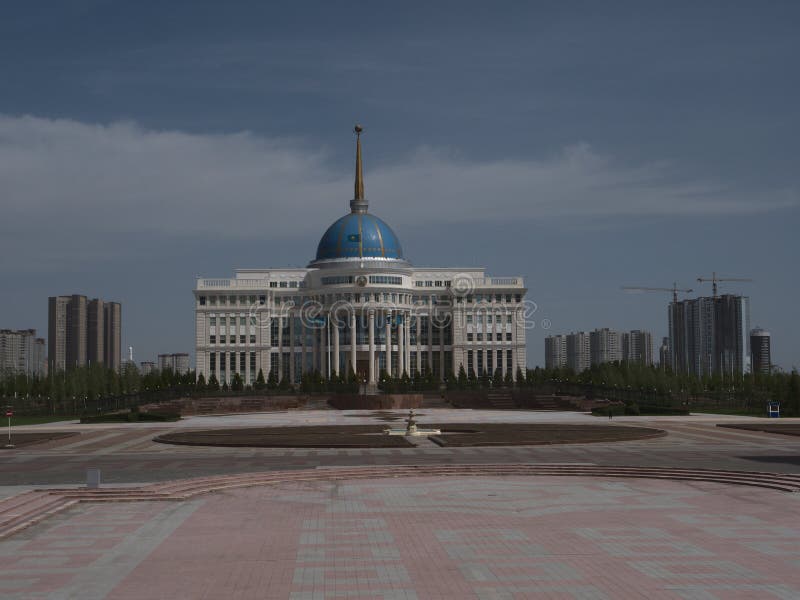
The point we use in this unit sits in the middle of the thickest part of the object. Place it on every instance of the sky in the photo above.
(584, 146)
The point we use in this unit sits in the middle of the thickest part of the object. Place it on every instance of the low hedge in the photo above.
(131, 417)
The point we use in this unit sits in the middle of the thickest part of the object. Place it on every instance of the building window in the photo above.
(222, 321)
(212, 357)
(428, 284)
(252, 339)
(419, 283)
(212, 300)
(509, 318)
(232, 339)
(202, 300)
(469, 318)
(469, 337)
(508, 336)
(273, 284)
(510, 362)
(480, 337)
(337, 279)
(262, 300)
(386, 279)
(212, 339)
(252, 367)
(212, 321)
(517, 297)
(242, 320)
(242, 361)
(242, 339)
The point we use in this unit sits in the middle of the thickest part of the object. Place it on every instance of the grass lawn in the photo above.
(37, 420)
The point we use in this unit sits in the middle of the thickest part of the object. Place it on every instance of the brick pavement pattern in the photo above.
(420, 538)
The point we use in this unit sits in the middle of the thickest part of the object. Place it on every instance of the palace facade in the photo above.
(359, 307)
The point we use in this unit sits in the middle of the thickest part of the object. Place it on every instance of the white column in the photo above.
(353, 338)
(372, 347)
(408, 342)
(325, 352)
(419, 337)
(291, 349)
(315, 364)
(401, 348)
(389, 343)
(280, 349)
(336, 348)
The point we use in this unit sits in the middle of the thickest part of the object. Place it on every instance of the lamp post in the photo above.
(9, 414)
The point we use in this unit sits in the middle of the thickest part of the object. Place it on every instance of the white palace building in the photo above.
(359, 307)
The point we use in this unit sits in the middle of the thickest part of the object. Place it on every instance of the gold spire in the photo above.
(359, 195)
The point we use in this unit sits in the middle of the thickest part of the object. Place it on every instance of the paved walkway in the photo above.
(127, 454)
(488, 538)
(420, 538)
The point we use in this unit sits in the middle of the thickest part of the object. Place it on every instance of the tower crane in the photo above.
(674, 289)
(714, 280)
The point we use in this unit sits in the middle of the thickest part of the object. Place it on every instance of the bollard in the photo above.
(93, 478)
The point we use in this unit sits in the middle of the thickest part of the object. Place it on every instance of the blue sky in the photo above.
(583, 145)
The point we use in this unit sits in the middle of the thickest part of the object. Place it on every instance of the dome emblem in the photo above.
(361, 281)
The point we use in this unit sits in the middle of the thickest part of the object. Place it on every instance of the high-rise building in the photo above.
(112, 334)
(57, 333)
(178, 362)
(761, 361)
(637, 347)
(555, 351)
(579, 356)
(83, 332)
(710, 335)
(664, 354)
(22, 352)
(605, 346)
(146, 367)
(96, 339)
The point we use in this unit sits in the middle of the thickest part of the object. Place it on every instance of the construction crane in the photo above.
(714, 280)
(674, 289)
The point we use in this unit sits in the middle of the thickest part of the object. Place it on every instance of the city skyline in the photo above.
(134, 158)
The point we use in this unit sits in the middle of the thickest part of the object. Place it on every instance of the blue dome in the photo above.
(359, 235)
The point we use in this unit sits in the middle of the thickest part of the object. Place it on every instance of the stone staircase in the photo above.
(24, 510)
(501, 400)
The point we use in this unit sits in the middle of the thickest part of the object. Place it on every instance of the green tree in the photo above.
(260, 383)
(213, 382)
(462, 380)
(237, 384)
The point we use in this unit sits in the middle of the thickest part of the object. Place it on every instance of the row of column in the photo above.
(331, 361)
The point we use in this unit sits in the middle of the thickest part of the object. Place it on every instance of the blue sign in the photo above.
(774, 409)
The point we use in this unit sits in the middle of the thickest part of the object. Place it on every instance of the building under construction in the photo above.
(710, 335)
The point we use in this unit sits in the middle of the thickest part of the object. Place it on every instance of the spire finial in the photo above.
(359, 172)
(359, 202)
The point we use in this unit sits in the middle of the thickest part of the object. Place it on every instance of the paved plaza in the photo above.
(396, 535)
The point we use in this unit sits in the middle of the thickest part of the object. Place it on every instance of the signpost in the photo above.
(774, 409)
(9, 414)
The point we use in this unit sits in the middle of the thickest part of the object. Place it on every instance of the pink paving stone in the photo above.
(455, 537)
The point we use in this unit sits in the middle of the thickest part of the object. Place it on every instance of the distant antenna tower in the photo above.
(130, 353)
